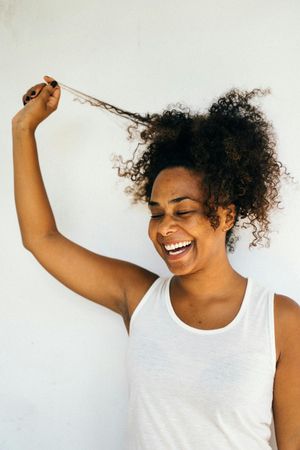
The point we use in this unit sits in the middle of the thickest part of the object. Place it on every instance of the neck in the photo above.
(216, 281)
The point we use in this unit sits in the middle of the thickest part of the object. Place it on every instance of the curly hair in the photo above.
(232, 146)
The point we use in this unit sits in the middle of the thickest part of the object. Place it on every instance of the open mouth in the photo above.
(181, 248)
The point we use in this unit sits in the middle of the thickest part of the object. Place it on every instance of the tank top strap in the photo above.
(155, 291)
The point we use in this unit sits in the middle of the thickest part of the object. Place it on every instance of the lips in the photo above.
(177, 253)
(176, 245)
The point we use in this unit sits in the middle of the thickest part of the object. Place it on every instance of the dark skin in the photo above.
(206, 263)
(32, 93)
(206, 292)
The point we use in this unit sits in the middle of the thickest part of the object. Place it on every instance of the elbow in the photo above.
(33, 243)
(26, 245)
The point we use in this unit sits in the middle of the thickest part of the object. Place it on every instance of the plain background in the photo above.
(63, 383)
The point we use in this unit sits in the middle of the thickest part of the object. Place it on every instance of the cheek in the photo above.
(204, 232)
(151, 231)
(212, 239)
(198, 227)
(152, 234)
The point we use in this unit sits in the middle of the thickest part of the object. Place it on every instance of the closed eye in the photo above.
(156, 216)
(179, 213)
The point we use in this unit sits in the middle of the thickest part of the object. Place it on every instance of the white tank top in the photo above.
(193, 389)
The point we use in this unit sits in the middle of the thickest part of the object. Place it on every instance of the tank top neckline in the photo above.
(184, 325)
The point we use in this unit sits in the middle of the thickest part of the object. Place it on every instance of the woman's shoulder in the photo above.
(288, 310)
(141, 284)
(287, 317)
(286, 305)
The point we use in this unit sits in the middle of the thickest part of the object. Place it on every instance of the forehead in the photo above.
(176, 182)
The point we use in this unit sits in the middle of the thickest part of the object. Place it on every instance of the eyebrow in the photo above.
(174, 200)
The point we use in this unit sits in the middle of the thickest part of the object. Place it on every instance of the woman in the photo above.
(211, 353)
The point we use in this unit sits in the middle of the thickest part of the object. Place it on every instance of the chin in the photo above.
(178, 267)
(180, 271)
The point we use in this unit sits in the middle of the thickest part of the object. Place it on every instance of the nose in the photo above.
(167, 225)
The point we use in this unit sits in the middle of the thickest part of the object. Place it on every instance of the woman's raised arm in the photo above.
(113, 283)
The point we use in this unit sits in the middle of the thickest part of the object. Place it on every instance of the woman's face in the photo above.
(180, 232)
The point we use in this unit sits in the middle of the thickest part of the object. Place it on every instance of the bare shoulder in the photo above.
(286, 307)
(286, 393)
(140, 281)
(287, 317)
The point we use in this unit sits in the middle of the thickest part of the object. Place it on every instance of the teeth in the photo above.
(177, 245)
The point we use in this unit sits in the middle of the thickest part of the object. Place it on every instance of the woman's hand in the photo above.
(39, 102)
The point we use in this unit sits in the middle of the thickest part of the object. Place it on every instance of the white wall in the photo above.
(62, 376)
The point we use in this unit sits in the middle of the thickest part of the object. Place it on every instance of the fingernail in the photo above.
(53, 83)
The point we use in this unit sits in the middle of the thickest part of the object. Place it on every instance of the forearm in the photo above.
(34, 212)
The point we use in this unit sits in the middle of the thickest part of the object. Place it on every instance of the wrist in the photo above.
(19, 127)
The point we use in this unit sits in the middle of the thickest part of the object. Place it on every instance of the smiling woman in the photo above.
(211, 354)
(178, 221)
(232, 147)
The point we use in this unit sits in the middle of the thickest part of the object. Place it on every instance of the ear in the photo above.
(228, 217)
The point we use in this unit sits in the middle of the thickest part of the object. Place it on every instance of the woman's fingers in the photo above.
(48, 79)
(51, 95)
(33, 92)
(51, 81)
(39, 101)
